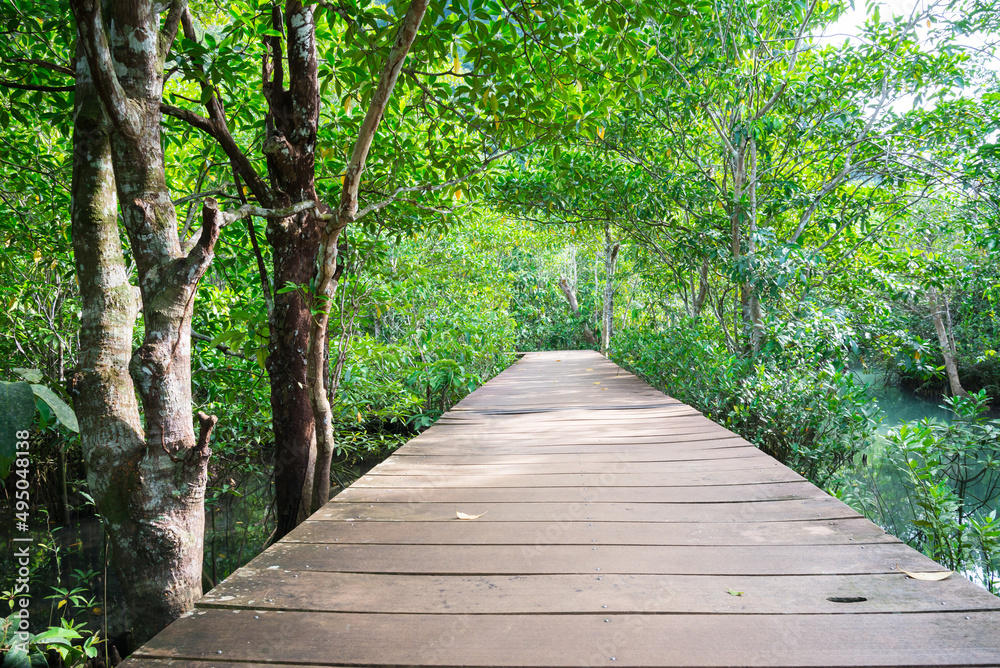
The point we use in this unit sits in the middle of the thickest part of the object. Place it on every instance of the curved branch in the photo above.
(94, 40)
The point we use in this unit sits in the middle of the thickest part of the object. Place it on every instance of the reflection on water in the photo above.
(875, 484)
(897, 404)
(67, 559)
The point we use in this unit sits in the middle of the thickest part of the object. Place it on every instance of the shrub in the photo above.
(808, 415)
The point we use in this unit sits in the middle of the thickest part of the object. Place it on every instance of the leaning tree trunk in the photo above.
(938, 309)
(326, 281)
(574, 307)
(149, 484)
(302, 467)
(608, 311)
(698, 302)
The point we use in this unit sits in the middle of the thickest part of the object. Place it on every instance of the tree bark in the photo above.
(302, 466)
(938, 311)
(607, 315)
(326, 281)
(699, 300)
(753, 296)
(574, 307)
(148, 483)
(292, 125)
(742, 316)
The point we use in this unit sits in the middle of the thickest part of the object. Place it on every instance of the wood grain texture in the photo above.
(597, 594)
(941, 639)
(451, 532)
(618, 528)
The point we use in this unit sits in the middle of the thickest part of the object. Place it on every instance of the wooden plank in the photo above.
(212, 663)
(759, 474)
(574, 640)
(400, 467)
(600, 594)
(487, 445)
(709, 494)
(614, 450)
(587, 419)
(843, 532)
(658, 454)
(540, 557)
(823, 508)
(688, 425)
(693, 424)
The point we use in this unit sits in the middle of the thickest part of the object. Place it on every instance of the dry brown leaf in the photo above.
(930, 577)
(465, 516)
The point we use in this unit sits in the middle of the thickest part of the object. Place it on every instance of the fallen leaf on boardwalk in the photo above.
(733, 592)
(464, 516)
(932, 576)
(589, 369)
(597, 382)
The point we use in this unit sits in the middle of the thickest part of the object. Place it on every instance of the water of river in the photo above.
(897, 404)
(888, 497)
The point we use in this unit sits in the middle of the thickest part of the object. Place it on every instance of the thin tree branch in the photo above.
(36, 87)
(55, 67)
(391, 197)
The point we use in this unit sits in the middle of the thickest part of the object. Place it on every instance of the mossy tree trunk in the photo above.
(148, 476)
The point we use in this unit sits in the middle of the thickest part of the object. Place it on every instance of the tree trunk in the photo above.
(292, 124)
(607, 315)
(328, 275)
(744, 246)
(149, 484)
(938, 310)
(753, 296)
(742, 306)
(574, 307)
(699, 300)
(303, 438)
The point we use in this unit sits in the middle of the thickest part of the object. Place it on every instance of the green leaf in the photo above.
(56, 634)
(58, 406)
(30, 375)
(17, 658)
(17, 410)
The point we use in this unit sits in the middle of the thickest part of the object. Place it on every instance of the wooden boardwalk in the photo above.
(616, 527)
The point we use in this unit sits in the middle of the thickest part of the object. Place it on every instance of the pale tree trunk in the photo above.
(744, 246)
(149, 484)
(699, 300)
(938, 312)
(736, 244)
(607, 312)
(326, 281)
(574, 307)
(753, 297)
